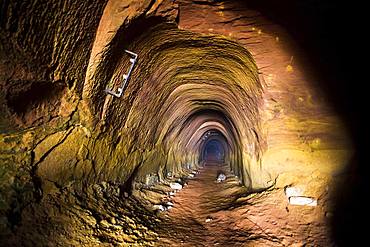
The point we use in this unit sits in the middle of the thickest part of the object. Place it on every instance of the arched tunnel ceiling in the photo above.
(202, 66)
(225, 58)
(180, 73)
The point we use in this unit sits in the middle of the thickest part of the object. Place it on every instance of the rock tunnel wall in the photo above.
(300, 127)
(202, 66)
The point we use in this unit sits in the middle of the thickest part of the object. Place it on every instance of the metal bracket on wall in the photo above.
(125, 77)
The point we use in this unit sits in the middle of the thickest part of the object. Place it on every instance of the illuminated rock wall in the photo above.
(202, 66)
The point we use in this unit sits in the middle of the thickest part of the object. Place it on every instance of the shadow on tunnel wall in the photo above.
(126, 35)
(328, 33)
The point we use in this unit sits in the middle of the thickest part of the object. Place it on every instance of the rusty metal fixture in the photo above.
(126, 77)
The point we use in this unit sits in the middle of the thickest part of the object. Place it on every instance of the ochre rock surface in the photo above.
(205, 69)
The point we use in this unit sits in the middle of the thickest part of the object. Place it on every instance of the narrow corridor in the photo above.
(181, 123)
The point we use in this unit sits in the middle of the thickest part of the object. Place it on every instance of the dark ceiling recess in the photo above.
(326, 30)
(214, 151)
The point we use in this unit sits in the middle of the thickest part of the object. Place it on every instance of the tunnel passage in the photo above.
(180, 77)
(213, 151)
(218, 67)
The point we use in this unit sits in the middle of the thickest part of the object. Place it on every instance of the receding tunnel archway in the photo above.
(212, 121)
(214, 147)
(213, 152)
(214, 81)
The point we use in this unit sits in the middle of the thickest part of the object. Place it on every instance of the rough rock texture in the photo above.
(99, 215)
(300, 128)
(225, 214)
(206, 70)
(44, 54)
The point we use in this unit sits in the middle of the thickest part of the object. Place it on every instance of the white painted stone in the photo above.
(169, 203)
(221, 177)
(293, 191)
(303, 201)
(208, 220)
(191, 175)
(175, 186)
(159, 207)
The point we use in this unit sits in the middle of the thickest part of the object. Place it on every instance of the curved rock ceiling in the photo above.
(179, 75)
(206, 70)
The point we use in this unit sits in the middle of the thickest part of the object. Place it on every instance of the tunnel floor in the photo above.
(203, 213)
(211, 213)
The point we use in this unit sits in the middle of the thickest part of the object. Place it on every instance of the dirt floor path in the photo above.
(208, 213)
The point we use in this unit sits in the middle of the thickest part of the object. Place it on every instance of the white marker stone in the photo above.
(293, 191)
(303, 201)
(221, 177)
(159, 207)
(175, 186)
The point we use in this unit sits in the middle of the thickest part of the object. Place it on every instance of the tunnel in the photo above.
(213, 150)
(180, 123)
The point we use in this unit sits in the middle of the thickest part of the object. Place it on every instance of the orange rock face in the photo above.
(206, 71)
